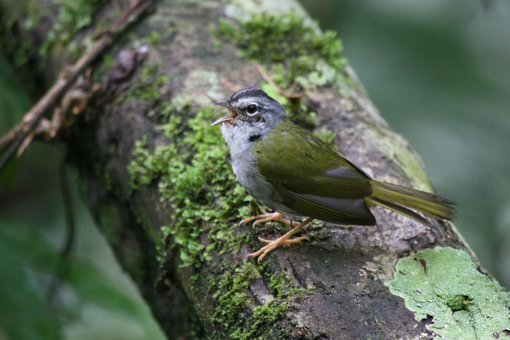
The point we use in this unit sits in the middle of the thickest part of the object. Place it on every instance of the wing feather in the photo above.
(334, 210)
(311, 178)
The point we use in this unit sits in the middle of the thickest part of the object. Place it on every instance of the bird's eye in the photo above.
(251, 109)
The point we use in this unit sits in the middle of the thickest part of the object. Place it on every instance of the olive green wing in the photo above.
(311, 178)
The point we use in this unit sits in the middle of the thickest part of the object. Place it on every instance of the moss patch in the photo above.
(194, 176)
(149, 87)
(73, 16)
(444, 285)
(232, 294)
(327, 136)
(295, 51)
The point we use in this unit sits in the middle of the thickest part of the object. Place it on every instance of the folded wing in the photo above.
(312, 179)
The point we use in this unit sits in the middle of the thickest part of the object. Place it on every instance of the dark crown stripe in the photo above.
(248, 92)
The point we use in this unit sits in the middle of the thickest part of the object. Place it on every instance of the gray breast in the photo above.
(244, 166)
(243, 162)
(247, 174)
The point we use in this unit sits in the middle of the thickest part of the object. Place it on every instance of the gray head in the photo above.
(253, 109)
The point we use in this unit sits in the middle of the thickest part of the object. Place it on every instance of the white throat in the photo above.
(243, 159)
(236, 137)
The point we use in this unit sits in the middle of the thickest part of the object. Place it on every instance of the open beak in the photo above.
(231, 116)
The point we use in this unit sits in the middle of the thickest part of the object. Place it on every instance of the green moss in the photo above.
(32, 15)
(149, 87)
(234, 299)
(231, 293)
(154, 38)
(295, 51)
(73, 16)
(161, 245)
(327, 136)
(143, 169)
(194, 176)
(444, 285)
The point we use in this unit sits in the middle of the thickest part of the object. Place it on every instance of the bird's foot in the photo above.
(269, 217)
(274, 244)
(281, 241)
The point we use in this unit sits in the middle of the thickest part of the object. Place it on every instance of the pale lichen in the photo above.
(443, 286)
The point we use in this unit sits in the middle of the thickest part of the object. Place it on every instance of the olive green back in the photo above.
(311, 178)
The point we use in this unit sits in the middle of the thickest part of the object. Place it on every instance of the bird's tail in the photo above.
(402, 200)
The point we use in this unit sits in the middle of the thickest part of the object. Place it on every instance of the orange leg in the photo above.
(284, 240)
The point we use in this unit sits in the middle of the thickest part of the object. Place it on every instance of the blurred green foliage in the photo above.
(90, 303)
(21, 302)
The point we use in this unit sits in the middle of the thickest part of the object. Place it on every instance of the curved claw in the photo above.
(269, 217)
(283, 240)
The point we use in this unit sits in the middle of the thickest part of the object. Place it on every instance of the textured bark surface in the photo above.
(342, 269)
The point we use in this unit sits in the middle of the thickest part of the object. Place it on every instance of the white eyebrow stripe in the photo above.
(244, 101)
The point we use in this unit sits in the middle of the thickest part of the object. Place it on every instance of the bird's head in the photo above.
(252, 109)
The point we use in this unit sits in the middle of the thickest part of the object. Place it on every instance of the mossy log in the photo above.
(157, 179)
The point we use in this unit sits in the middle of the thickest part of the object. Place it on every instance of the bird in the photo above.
(301, 178)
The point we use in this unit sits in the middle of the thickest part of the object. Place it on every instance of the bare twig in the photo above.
(74, 101)
(14, 139)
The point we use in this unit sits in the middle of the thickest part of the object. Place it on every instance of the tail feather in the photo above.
(401, 210)
(399, 199)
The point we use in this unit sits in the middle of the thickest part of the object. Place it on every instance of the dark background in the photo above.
(439, 73)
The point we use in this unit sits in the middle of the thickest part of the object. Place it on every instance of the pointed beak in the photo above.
(222, 120)
(231, 116)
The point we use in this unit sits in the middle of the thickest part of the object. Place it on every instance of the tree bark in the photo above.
(342, 284)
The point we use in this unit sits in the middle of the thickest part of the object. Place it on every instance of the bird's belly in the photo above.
(259, 188)
(245, 169)
(252, 181)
